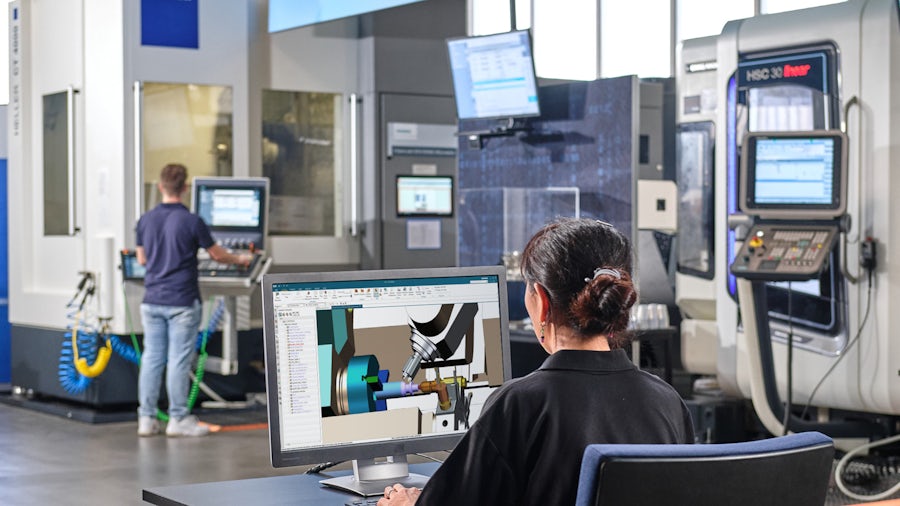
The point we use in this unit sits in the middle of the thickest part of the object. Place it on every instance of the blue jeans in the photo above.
(170, 336)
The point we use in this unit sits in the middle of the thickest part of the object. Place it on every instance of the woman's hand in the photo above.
(398, 495)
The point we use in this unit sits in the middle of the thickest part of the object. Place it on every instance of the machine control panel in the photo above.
(208, 267)
(784, 252)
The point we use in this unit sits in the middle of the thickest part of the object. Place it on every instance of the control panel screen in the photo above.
(230, 207)
(794, 174)
(234, 209)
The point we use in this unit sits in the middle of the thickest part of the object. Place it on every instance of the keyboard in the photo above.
(363, 501)
(207, 267)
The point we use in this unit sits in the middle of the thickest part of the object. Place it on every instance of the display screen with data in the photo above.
(230, 207)
(424, 196)
(367, 358)
(234, 209)
(795, 173)
(493, 76)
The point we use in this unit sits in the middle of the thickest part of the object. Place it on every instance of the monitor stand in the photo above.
(371, 478)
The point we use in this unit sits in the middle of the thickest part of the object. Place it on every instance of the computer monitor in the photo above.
(493, 76)
(794, 175)
(367, 364)
(235, 209)
(424, 196)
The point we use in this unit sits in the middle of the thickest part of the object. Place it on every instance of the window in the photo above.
(699, 18)
(565, 43)
(635, 38)
(493, 16)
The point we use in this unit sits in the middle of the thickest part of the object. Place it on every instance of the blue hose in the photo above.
(124, 350)
(69, 378)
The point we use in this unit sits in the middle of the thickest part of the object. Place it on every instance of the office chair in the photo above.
(789, 470)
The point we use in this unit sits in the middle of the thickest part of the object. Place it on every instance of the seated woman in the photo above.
(527, 445)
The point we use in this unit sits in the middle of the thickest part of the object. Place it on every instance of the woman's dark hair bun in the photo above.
(585, 267)
(604, 305)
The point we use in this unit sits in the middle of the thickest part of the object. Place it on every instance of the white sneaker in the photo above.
(148, 426)
(188, 426)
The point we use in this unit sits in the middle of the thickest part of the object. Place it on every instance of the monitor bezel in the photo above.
(404, 214)
(236, 183)
(366, 450)
(534, 79)
(835, 209)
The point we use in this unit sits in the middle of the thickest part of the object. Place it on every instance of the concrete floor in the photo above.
(46, 459)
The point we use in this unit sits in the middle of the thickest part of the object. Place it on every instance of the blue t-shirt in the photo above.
(171, 236)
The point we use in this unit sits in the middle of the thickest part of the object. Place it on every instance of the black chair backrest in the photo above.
(787, 476)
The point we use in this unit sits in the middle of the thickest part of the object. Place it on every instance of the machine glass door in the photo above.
(694, 159)
(190, 124)
(302, 155)
(59, 160)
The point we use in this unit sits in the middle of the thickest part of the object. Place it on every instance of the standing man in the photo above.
(168, 237)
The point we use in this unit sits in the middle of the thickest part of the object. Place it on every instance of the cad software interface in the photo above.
(374, 360)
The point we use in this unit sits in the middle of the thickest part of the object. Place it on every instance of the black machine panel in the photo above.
(785, 252)
(208, 267)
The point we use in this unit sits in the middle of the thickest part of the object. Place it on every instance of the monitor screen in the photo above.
(424, 196)
(233, 208)
(794, 175)
(362, 364)
(493, 76)
(132, 270)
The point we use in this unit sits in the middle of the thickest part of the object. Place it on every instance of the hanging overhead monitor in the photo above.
(493, 76)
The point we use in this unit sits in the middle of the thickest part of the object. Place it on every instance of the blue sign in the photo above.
(170, 23)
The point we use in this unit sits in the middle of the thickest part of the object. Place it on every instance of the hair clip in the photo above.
(602, 270)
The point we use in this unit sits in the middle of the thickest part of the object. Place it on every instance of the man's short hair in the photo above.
(172, 178)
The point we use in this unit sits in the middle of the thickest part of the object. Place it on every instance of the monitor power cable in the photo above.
(868, 261)
(318, 468)
(790, 363)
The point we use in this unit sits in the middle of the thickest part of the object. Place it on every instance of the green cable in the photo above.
(201, 362)
(134, 343)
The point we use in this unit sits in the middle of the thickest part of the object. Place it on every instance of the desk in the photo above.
(299, 489)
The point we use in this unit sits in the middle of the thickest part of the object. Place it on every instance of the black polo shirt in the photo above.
(527, 445)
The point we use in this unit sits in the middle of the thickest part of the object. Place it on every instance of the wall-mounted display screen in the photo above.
(424, 196)
(287, 14)
(794, 174)
(493, 76)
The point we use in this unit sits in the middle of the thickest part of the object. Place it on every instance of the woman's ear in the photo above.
(543, 301)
